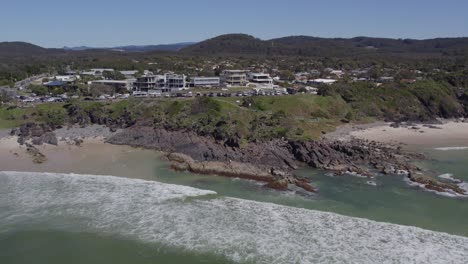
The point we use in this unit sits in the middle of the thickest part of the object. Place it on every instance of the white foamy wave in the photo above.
(450, 177)
(448, 193)
(452, 148)
(244, 231)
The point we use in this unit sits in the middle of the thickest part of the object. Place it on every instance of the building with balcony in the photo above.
(205, 81)
(175, 82)
(261, 80)
(234, 77)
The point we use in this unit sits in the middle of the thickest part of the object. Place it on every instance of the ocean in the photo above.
(150, 214)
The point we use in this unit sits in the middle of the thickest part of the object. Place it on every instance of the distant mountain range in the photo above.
(314, 46)
(241, 44)
(137, 48)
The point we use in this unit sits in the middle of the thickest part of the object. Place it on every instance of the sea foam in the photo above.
(451, 148)
(244, 231)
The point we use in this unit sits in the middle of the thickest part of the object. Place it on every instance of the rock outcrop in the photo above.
(435, 185)
(37, 156)
(38, 134)
(273, 178)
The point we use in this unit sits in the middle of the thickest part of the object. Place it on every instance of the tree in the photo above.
(39, 90)
(55, 117)
(113, 75)
(108, 75)
(5, 97)
(100, 89)
(287, 75)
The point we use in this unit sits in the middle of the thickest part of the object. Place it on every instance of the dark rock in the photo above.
(37, 156)
(281, 184)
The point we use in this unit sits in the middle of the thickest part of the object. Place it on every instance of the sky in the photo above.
(103, 23)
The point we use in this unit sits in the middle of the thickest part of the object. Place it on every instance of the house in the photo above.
(129, 74)
(163, 83)
(55, 84)
(96, 72)
(261, 80)
(234, 77)
(66, 78)
(322, 81)
(205, 81)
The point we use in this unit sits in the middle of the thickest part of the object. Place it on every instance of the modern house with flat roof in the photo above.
(234, 77)
(129, 74)
(145, 83)
(176, 82)
(163, 83)
(261, 80)
(205, 81)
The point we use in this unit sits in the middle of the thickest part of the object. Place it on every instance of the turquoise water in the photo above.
(121, 227)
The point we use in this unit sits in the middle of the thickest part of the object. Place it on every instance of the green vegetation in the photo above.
(238, 120)
(421, 101)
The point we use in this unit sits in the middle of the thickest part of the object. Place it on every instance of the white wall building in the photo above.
(205, 81)
(96, 72)
(162, 83)
(261, 80)
(322, 81)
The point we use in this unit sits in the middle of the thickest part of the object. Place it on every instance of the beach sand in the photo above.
(449, 134)
(92, 157)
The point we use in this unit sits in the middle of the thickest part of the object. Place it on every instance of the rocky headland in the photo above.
(270, 161)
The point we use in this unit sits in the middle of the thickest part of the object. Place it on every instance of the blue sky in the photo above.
(54, 23)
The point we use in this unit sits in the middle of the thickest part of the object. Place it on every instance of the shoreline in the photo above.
(446, 134)
(352, 150)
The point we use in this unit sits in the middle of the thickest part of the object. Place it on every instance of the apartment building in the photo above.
(205, 81)
(234, 77)
(261, 80)
(163, 83)
(175, 82)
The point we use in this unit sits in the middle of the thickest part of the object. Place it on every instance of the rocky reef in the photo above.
(271, 161)
(38, 134)
(274, 161)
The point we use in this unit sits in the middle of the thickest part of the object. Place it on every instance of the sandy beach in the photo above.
(449, 134)
(93, 156)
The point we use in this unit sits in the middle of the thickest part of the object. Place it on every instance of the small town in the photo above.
(110, 84)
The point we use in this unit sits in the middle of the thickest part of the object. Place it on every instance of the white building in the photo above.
(205, 81)
(66, 78)
(129, 74)
(234, 77)
(96, 72)
(322, 81)
(162, 83)
(176, 82)
(261, 80)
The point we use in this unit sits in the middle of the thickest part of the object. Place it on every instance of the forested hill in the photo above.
(241, 44)
(18, 48)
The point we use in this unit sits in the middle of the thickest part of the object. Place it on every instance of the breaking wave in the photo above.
(201, 221)
(452, 148)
